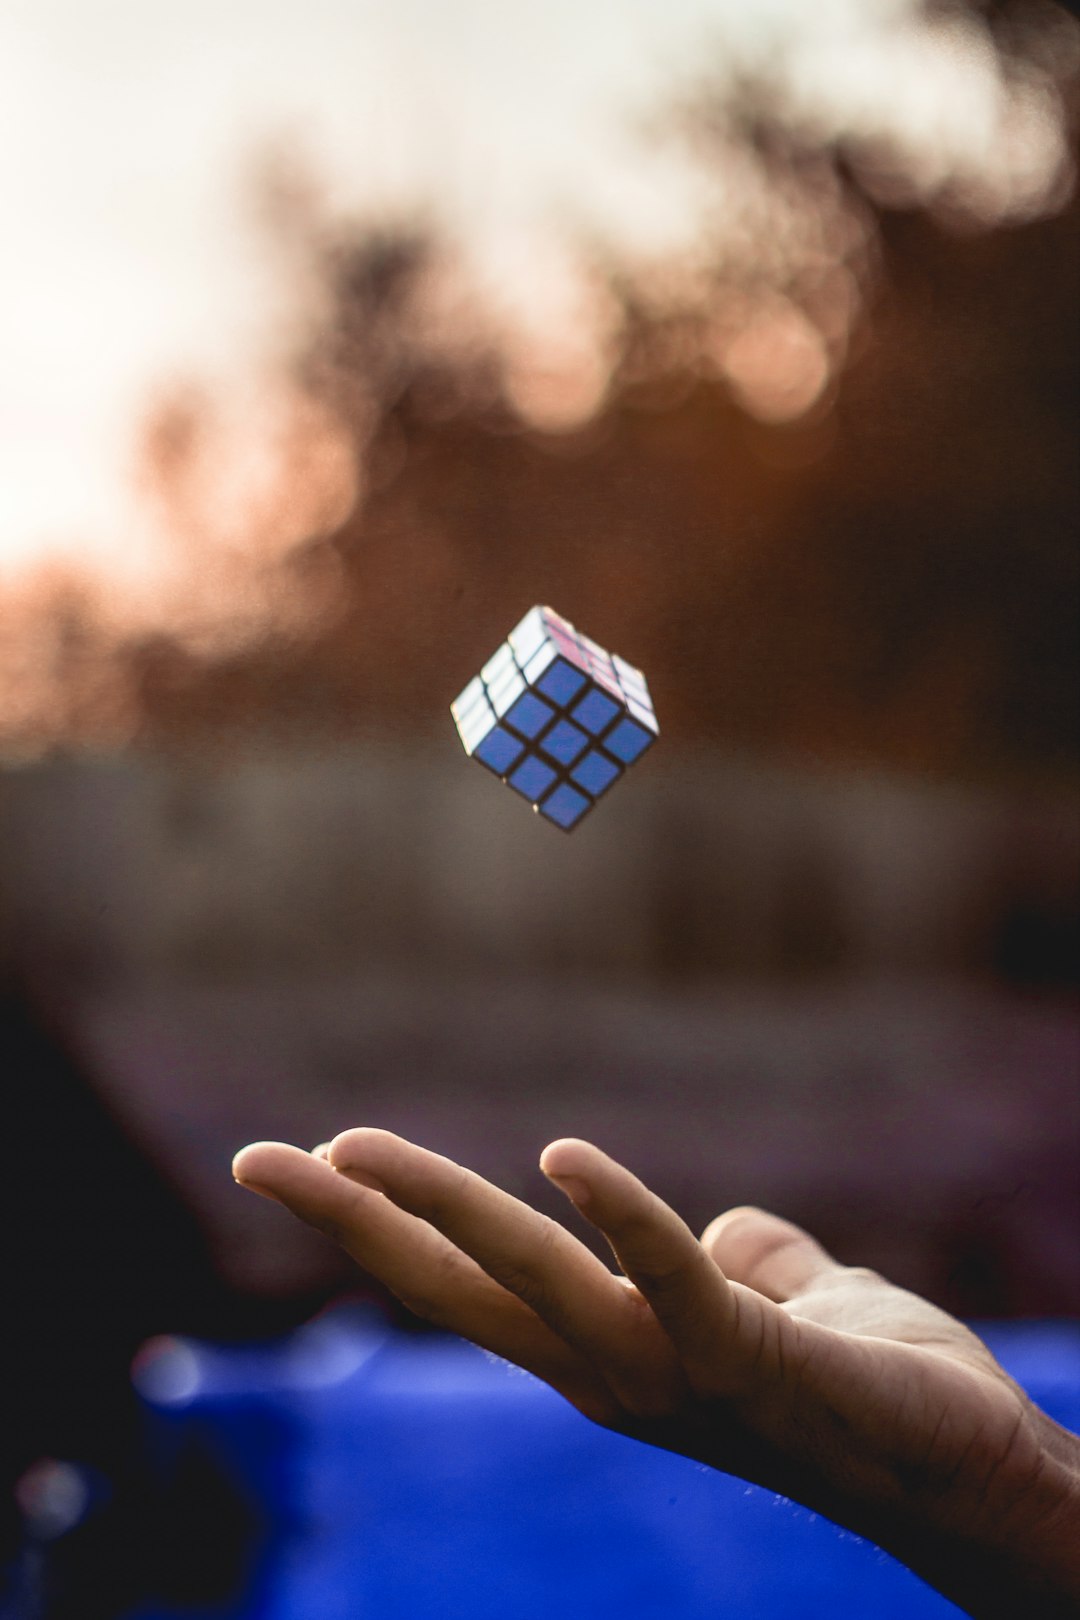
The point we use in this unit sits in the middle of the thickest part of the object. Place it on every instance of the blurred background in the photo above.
(333, 337)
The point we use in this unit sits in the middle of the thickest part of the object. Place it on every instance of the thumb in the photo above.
(766, 1253)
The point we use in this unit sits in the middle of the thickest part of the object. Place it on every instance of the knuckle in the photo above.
(441, 1205)
(859, 1274)
(426, 1308)
(432, 1297)
(525, 1283)
(662, 1282)
(674, 1281)
(347, 1143)
(527, 1271)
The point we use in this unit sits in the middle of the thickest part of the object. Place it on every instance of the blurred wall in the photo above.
(304, 862)
(843, 996)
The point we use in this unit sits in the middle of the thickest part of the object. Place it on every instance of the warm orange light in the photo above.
(136, 260)
(777, 365)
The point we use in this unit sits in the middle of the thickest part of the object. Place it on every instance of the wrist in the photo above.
(1024, 1560)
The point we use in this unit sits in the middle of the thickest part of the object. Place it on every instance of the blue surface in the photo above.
(413, 1478)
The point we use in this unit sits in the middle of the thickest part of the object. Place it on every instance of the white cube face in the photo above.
(541, 658)
(497, 664)
(474, 693)
(507, 690)
(556, 717)
(644, 713)
(528, 637)
(475, 726)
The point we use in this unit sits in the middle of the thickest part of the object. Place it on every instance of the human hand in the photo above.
(751, 1350)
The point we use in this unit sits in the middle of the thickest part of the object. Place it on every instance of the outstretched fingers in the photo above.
(429, 1274)
(702, 1318)
(730, 1341)
(529, 1255)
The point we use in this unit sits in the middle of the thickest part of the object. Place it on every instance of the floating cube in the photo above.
(555, 717)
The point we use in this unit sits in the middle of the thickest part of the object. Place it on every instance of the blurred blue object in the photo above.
(408, 1477)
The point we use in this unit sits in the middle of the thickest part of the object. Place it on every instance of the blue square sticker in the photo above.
(561, 682)
(627, 740)
(532, 778)
(529, 715)
(565, 806)
(499, 750)
(564, 742)
(595, 711)
(595, 773)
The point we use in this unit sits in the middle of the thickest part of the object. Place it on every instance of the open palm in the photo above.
(751, 1350)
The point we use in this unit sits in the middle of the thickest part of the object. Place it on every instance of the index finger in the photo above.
(730, 1340)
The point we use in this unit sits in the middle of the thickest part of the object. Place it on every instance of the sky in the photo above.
(134, 259)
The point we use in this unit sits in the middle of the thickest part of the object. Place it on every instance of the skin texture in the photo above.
(750, 1349)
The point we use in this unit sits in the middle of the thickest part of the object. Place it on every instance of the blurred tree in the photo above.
(828, 501)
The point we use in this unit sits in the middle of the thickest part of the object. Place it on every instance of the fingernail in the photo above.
(255, 1187)
(574, 1188)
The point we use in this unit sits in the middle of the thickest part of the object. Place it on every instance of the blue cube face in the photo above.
(555, 716)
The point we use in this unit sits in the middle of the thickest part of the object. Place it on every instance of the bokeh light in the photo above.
(163, 448)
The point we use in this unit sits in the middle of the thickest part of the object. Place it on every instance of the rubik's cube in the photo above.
(555, 717)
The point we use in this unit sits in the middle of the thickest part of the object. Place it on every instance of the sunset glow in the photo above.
(140, 273)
